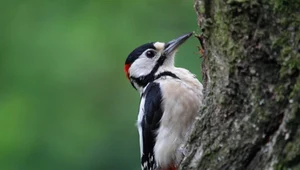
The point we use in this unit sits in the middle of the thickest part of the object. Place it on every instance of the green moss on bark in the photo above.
(251, 117)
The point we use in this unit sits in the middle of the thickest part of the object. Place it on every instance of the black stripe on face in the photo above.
(166, 73)
(144, 80)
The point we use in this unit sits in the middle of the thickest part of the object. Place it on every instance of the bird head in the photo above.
(147, 60)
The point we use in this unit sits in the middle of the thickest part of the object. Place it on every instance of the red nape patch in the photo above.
(126, 69)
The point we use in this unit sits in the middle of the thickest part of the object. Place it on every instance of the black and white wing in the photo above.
(148, 123)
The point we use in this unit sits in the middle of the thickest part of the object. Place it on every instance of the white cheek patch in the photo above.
(141, 67)
(159, 46)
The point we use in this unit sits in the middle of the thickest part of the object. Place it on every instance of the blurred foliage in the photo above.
(65, 102)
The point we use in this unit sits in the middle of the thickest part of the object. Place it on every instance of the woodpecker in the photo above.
(171, 97)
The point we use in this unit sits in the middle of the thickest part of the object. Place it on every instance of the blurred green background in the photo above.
(65, 102)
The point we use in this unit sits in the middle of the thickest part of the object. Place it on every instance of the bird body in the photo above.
(171, 97)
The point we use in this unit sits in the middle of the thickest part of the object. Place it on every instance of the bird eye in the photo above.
(150, 53)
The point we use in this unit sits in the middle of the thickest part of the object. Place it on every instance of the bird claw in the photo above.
(201, 48)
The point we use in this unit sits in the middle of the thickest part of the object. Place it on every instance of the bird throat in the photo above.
(142, 81)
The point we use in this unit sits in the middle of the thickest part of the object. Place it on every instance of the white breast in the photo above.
(182, 101)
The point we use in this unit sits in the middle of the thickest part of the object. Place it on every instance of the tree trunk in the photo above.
(251, 70)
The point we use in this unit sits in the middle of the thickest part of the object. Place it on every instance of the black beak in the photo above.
(172, 46)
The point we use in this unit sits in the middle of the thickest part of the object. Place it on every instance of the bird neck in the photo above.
(156, 77)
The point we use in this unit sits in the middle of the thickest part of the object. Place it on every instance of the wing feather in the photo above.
(150, 124)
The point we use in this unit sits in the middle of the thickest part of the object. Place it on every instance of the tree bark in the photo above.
(251, 114)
